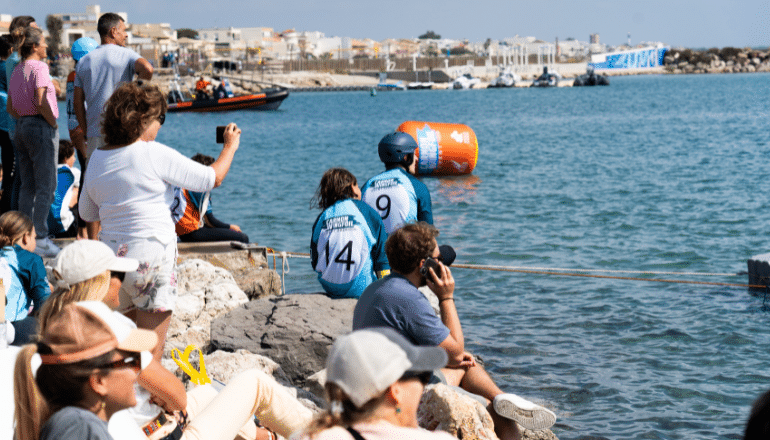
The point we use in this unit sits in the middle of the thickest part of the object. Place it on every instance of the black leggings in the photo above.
(214, 234)
(7, 156)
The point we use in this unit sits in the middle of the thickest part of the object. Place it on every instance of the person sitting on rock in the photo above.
(88, 270)
(23, 275)
(395, 302)
(347, 247)
(374, 382)
(191, 226)
(396, 194)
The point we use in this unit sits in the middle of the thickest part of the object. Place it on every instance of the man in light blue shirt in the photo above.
(100, 72)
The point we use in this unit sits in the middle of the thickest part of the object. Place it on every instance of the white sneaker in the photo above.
(46, 248)
(525, 413)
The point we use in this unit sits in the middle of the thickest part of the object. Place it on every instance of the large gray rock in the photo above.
(205, 291)
(442, 408)
(296, 331)
(249, 269)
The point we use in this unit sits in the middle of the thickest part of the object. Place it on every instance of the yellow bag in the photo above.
(183, 360)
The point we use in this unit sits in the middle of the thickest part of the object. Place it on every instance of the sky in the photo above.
(686, 23)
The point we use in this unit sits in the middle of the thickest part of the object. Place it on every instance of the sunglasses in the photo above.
(162, 118)
(134, 362)
(423, 376)
(119, 275)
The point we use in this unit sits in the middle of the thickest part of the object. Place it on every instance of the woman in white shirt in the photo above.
(129, 186)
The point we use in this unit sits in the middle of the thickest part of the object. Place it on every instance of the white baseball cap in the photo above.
(85, 259)
(366, 362)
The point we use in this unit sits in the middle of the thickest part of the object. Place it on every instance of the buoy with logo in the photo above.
(443, 149)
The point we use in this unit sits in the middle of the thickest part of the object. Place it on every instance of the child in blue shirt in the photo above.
(23, 274)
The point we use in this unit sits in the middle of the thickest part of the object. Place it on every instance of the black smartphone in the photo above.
(221, 134)
(430, 262)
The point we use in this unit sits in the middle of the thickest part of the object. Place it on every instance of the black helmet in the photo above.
(394, 147)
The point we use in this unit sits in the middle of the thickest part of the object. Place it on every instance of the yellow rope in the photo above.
(572, 273)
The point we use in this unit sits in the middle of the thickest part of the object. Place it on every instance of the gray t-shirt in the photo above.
(394, 302)
(75, 423)
(99, 73)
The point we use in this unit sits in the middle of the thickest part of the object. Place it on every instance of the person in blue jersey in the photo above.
(64, 212)
(348, 244)
(23, 275)
(396, 194)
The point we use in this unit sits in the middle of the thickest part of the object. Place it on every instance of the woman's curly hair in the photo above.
(129, 110)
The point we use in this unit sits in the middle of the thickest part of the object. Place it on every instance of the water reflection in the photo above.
(457, 189)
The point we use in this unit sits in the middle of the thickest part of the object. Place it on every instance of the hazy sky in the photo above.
(689, 23)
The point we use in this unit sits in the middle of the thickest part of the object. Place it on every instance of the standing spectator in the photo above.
(61, 218)
(395, 193)
(33, 102)
(80, 48)
(21, 21)
(129, 186)
(100, 72)
(6, 147)
(347, 247)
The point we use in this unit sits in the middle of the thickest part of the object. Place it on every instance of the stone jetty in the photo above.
(725, 60)
(230, 305)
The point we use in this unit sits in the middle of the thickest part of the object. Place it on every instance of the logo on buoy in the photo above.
(427, 140)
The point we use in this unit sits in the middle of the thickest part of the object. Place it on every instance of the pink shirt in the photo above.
(27, 77)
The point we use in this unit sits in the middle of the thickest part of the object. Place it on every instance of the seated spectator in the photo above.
(61, 217)
(347, 247)
(191, 226)
(89, 270)
(23, 273)
(81, 372)
(374, 382)
(395, 302)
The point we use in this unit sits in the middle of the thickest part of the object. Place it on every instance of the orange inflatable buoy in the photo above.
(443, 149)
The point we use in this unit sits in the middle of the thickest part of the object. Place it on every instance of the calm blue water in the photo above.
(659, 173)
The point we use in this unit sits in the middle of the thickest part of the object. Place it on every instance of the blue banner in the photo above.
(633, 59)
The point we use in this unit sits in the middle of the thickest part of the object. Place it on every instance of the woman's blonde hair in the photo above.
(13, 226)
(92, 289)
(129, 110)
(38, 396)
(349, 413)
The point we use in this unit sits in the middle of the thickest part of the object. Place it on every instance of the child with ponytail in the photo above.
(23, 274)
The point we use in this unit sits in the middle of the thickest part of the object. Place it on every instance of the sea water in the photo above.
(653, 173)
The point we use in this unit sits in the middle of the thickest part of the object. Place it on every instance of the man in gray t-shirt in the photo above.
(100, 72)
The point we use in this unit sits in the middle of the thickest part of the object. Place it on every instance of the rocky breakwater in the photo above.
(287, 337)
(725, 60)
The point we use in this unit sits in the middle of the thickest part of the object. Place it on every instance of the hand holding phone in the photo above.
(221, 134)
(429, 263)
(229, 135)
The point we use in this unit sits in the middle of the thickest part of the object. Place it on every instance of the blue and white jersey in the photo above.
(399, 198)
(347, 247)
(24, 277)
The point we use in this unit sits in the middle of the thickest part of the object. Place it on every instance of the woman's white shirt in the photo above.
(130, 189)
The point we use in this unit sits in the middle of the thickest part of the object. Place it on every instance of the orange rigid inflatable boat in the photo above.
(443, 149)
